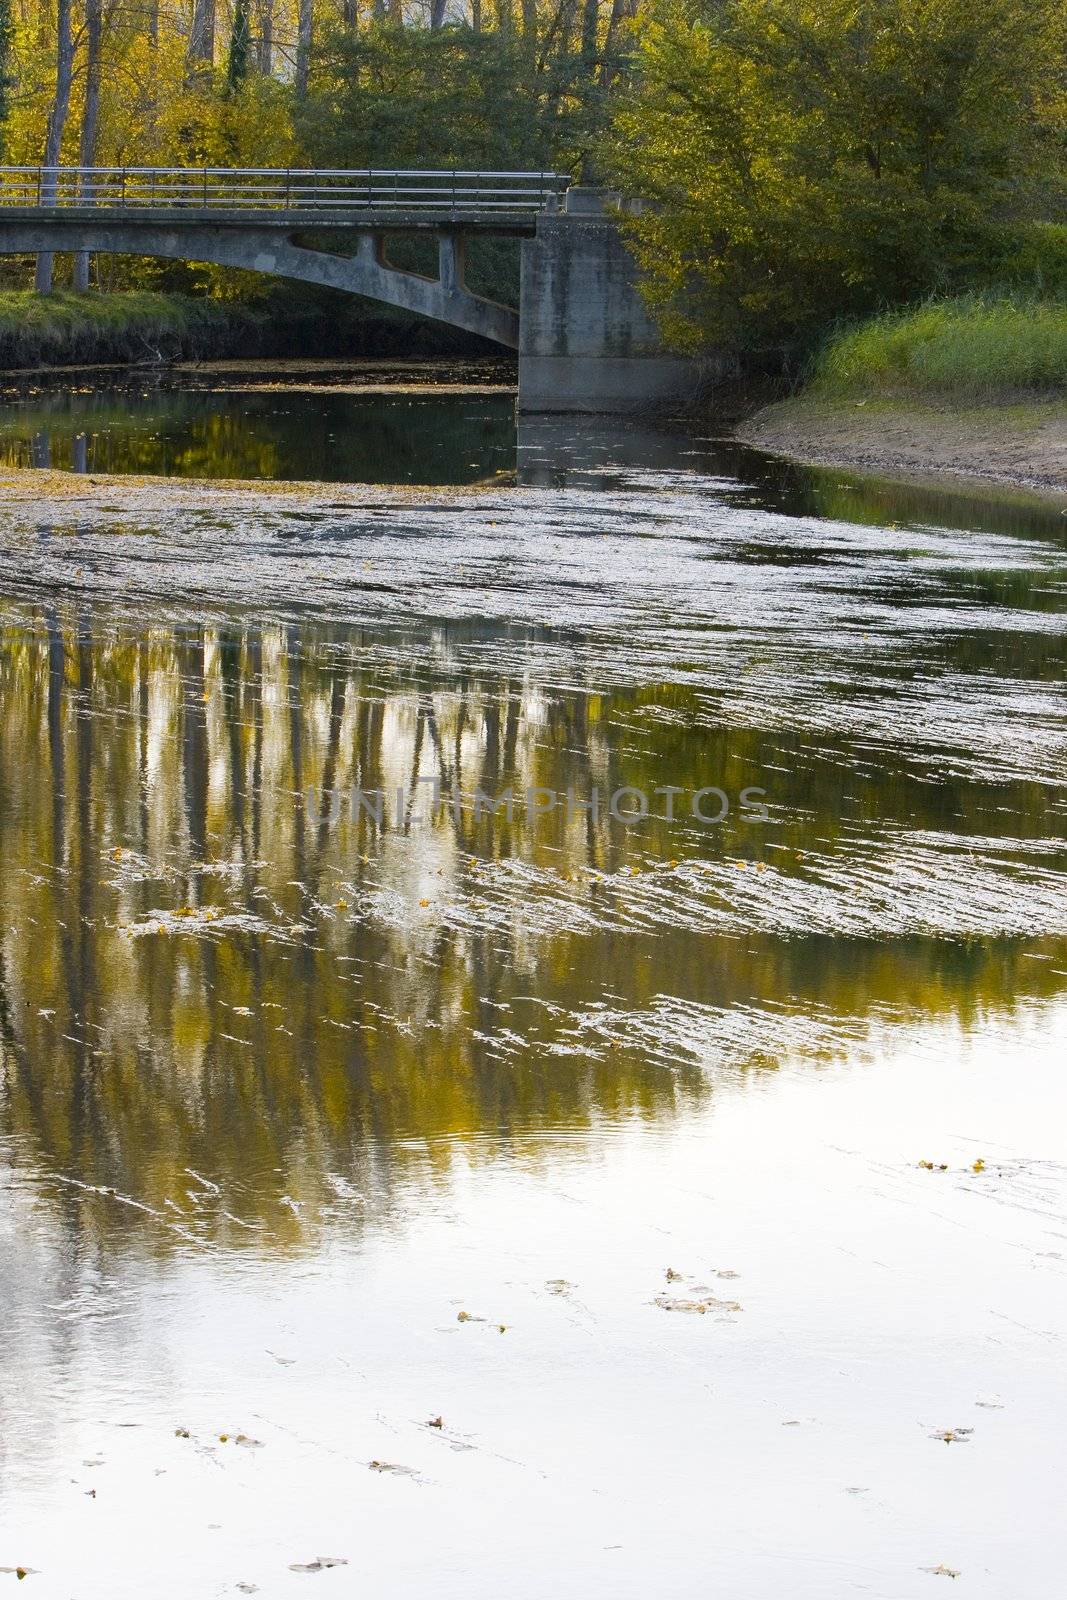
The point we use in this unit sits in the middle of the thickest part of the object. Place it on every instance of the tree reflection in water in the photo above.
(211, 966)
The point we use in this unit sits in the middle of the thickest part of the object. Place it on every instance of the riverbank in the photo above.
(1023, 446)
(968, 389)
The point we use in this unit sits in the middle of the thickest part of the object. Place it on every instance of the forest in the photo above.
(804, 162)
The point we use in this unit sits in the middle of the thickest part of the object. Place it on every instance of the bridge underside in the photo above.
(270, 246)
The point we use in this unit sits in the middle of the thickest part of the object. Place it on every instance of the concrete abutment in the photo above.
(586, 341)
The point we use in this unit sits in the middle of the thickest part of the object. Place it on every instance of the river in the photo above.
(532, 1011)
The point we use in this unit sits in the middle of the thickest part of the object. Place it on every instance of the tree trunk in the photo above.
(476, 15)
(590, 24)
(201, 49)
(529, 24)
(609, 63)
(265, 42)
(304, 25)
(57, 122)
(437, 14)
(350, 15)
(94, 32)
(7, 30)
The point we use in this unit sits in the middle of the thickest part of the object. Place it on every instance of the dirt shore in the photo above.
(1023, 445)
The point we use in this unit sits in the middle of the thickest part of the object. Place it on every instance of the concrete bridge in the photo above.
(584, 340)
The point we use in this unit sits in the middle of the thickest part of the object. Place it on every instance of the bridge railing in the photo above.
(281, 189)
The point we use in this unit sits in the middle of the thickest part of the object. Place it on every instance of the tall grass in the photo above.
(969, 348)
(68, 329)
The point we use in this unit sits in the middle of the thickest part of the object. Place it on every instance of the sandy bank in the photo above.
(1022, 445)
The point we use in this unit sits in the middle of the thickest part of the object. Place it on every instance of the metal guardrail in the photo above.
(281, 189)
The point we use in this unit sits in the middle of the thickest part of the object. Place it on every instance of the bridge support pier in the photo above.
(586, 342)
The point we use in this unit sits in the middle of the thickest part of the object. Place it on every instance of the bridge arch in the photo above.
(270, 247)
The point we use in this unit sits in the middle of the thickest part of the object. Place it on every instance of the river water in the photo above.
(407, 1190)
(367, 422)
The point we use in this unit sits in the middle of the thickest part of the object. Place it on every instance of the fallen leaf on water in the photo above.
(436, 1422)
(952, 1435)
(319, 1564)
(941, 1571)
(424, 902)
(700, 1307)
(978, 1166)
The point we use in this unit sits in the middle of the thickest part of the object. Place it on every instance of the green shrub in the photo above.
(970, 348)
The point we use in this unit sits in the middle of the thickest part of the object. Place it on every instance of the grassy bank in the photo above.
(972, 349)
(71, 329)
(66, 329)
(971, 389)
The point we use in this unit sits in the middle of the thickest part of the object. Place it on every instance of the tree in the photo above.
(6, 78)
(201, 50)
(808, 159)
(57, 122)
(94, 28)
(240, 46)
(265, 53)
(305, 25)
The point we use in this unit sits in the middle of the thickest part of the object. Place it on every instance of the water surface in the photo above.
(554, 1203)
(358, 422)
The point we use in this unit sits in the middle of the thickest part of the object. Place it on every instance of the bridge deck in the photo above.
(373, 219)
(501, 202)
